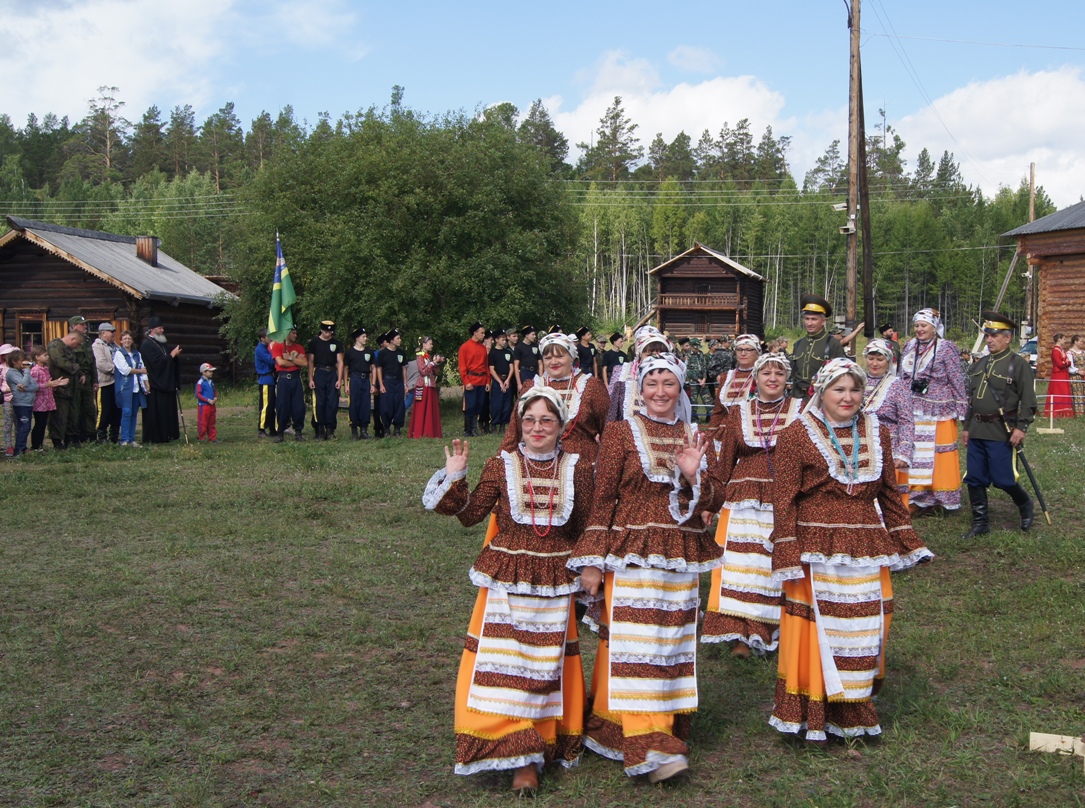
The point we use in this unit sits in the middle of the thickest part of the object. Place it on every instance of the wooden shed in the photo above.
(704, 293)
(1055, 249)
(49, 273)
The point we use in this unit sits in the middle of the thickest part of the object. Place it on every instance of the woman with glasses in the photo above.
(738, 383)
(585, 398)
(520, 690)
(644, 550)
(931, 368)
(840, 527)
(744, 601)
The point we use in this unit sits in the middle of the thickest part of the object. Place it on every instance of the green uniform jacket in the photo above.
(63, 364)
(809, 356)
(1015, 388)
(696, 367)
(84, 354)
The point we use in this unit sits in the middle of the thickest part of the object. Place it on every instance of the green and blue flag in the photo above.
(281, 318)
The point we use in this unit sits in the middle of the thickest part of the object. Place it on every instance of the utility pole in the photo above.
(864, 218)
(850, 230)
(1031, 273)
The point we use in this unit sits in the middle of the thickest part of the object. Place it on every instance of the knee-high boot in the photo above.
(1023, 502)
(977, 495)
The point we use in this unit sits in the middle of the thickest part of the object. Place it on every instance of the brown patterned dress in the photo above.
(734, 388)
(840, 528)
(587, 401)
(520, 689)
(646, 532)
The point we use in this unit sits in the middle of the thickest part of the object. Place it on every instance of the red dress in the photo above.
(1059, 403)
(426, 411)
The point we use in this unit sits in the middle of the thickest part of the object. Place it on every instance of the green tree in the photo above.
(221, 146)
(148, 145)
(538, 129)
(181, 141)
(616, 146)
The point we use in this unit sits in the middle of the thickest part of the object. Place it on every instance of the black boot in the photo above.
(353, 432)
(1023, 502)
(365, 433)
(59, 446)
(466, 425)
(977, 495)
(395, 433)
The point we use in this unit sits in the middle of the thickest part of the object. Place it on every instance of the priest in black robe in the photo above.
(160, 423)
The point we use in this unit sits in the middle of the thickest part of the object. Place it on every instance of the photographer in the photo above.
(931, 368)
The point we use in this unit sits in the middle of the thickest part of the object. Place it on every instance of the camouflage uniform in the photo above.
(721, 361)
(697, 376)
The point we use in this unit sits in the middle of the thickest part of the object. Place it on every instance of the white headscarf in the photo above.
(930, 316)
(829, 373)
(646, 335)
(882, 347)
(748, 341)
(561, 340)
(543, 391)
(768, 358)
(683, 409)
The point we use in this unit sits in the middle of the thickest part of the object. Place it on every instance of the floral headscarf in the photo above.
(933, 317)
(777, 358)
(829, 373)
(683, 409)
(543, 391)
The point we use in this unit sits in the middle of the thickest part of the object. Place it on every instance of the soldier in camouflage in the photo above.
(83, 417)
(700, 395)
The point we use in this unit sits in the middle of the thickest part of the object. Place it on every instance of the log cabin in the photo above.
(704, 293)
(49, 273)
(1055, 249)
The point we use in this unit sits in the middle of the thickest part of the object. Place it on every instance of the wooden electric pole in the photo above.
(864, 218)
(851, 229)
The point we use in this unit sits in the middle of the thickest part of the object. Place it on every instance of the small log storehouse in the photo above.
(1055, 249)
(704, 293)
(49, 273)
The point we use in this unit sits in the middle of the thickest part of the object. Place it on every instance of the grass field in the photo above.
(260, 624)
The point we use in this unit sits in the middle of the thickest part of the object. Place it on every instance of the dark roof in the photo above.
(724, 259)
(1071, 218)
(113, 258)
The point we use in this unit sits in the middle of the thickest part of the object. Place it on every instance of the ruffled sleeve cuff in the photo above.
(441, 497)
(786, 559)
(590, 550)
(683, 497)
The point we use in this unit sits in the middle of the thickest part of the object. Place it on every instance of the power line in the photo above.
(977, 42)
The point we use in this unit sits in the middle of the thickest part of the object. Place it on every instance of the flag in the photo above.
(281, 318)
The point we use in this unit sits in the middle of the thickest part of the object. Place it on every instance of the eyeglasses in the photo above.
(546, 422)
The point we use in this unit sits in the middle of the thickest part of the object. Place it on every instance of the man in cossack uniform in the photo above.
(1001, 407)
(813, 350)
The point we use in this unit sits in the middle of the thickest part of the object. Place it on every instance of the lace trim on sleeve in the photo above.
(439, 485)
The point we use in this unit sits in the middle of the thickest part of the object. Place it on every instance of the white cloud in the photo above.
(655, 108)
(55, 57)
(694, 59)
(1001, 125)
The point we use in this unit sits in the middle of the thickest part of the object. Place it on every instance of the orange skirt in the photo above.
(801, 703)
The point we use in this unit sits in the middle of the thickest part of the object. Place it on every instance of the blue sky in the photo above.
(683, 66)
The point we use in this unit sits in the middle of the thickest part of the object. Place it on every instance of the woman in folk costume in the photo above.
(520, 689)
(931, 369)
(1059, 402)
(887, 396)
(644, 550)
(833, 552)
(625, 398)
(426, 412)
(584, 396)
(744, 601)
(738, 384)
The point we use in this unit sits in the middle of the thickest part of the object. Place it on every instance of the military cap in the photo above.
(527, 329)
(556, 329)
(815, 304)
(993, 321)
(580, 332)
(885, 327)
(695, 342)
(357, 332)
(475, 326)
(77, 320)
(327, 325)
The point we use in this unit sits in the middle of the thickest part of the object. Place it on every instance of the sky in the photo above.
(998, 84)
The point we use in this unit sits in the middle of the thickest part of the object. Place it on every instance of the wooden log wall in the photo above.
(1061, 304)
(33, 279)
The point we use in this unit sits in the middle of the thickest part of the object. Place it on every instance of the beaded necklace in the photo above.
(766, 440)
(851, 468)
(550, 502)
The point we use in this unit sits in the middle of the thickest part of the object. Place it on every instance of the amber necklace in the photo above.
(550, 502)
